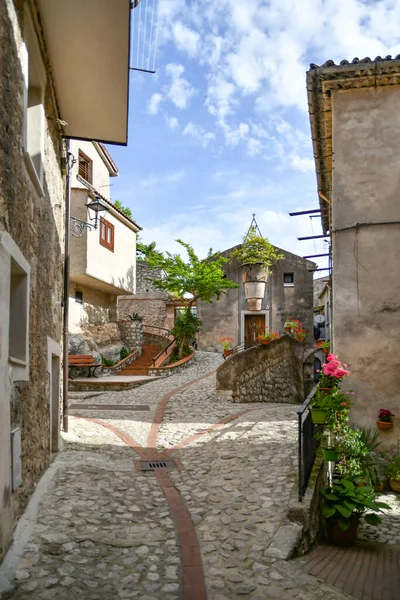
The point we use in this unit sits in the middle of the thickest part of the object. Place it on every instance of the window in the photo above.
(288, 279)
(106, 234)
(78, 297)
(85, 167)
(35, 83)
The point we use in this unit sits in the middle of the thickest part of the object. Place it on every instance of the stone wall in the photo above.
(33, 215)
(153, 310)
(271, 373)
(131, 334)
(226, 317)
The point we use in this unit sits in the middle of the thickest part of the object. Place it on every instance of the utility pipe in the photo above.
(66, 285)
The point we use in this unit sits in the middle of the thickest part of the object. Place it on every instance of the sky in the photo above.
(221, 130)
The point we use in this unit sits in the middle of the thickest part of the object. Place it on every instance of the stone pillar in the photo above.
(131, 334)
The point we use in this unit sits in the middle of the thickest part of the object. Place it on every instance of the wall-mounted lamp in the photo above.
(95, 207)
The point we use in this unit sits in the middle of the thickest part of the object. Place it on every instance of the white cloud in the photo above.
(155, 180)
(154, 104)
(202, 136)
(175, 176)
(186, 39)
(172, 123)
(180, 90)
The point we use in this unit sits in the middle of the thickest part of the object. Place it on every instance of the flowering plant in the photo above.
(226, 342)
(271, 336)
(385, 415)
(323, 345)
(392, 466)
(295, 328)
(333, 372)
(291, 323)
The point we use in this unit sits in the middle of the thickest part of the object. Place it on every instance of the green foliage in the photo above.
(352, 451)
(124, 209)
(124, 352)
(145, 250)
(184, 331)
(346, 501)
(256, 249)
(135, 317)
(175, 354)
(107, 362)
(200, 279)
(392, 466)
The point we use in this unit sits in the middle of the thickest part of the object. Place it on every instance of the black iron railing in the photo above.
(307, 444)
(244, 346)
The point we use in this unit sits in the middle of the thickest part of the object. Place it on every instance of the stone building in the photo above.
(47, 93)
(103, 260)
(289, 293)
(355, 126)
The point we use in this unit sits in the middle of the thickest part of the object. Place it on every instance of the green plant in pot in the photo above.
(392, 469)
(330, 409)
(343, 505)
(256, 255)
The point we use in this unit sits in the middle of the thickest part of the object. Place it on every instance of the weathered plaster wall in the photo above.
(366, 283)
(225, 317)
(34, 219)
(98, 307)
(100, 173)
(272, 373)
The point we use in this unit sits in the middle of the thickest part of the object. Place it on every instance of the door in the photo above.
(254, 325)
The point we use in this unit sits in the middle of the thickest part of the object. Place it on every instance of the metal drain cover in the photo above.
(150, 465)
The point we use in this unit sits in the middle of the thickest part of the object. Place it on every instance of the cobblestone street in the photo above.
(99, 529)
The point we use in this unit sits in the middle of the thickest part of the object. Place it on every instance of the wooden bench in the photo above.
(82, 361)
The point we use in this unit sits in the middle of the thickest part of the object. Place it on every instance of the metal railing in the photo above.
(307, 444)
(155, 330)
(163, 351)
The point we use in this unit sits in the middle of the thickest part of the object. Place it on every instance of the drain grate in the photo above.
(150, 465)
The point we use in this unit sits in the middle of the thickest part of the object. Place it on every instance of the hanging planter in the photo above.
(330, 454)
(254, 278)
(319, 416)
(385, 425)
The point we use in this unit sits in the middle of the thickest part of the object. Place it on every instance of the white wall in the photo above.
(117, 268)
(100, 172)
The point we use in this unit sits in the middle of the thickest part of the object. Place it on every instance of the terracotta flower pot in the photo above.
(339, 537)
(265, 342)
(395, 485)
(385, 425)
(325, 391)
(227, 352)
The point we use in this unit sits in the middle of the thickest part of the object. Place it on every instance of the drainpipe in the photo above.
(66, 286)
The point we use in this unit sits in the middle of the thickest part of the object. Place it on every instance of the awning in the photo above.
(88, 46)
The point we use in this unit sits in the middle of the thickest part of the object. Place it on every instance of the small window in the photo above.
(18, 325)
(78, 297)
(106, 234)
(85, 168)
(288, 279)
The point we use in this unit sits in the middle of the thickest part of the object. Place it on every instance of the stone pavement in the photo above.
(99, 529)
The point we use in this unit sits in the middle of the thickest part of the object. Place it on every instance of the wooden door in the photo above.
(253, 326)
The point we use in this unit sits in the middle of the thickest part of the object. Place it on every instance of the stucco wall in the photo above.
(272, 373)
(98, 307)
(225, 317)
(366, 284)
(100, 173)
(35, 221)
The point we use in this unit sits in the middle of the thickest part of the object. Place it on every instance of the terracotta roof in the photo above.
(93, 193)
(108, 155)
(322, 81)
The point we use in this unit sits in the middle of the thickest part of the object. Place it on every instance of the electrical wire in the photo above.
(151, 35)
(156, 40)
(145, 31)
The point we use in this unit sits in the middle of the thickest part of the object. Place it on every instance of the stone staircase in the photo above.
(141, 365)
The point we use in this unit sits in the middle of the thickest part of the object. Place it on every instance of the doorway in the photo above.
(254, 325)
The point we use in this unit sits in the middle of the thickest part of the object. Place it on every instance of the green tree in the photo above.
(184, 331)
(124, 209)
(194, 279)
(144, 250)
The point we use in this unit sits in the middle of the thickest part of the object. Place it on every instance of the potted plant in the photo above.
(328, 408)
(344, 504)
(295, 328)
(385, 420)
(333, 372)
(392, 470)
(256, 255)
(267, 337)
(226, 344)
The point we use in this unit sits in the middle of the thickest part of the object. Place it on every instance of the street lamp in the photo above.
(95, 207)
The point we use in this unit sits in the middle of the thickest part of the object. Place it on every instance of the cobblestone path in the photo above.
(99, 529)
